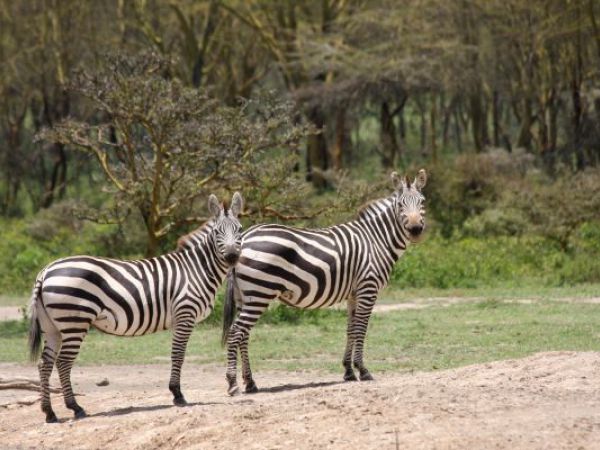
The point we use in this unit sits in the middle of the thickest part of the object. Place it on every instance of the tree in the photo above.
(161, 145)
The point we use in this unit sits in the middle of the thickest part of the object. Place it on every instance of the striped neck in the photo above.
(200, 248)
(380, 220)
(197, 238)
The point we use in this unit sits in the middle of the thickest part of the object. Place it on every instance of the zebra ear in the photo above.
(421, 179)
(237, 204)
(397, 182)
(214, 207)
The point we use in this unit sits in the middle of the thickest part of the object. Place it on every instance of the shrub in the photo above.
(470, 262)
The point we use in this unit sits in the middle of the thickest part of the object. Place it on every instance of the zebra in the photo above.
(316, 268)
(131, 298)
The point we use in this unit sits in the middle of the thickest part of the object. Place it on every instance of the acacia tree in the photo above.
(161, 145)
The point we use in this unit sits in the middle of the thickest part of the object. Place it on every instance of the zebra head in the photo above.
(408, 203)
(227, 227)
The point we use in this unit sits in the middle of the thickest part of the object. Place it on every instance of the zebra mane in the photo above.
(194, 238)
(373, 207)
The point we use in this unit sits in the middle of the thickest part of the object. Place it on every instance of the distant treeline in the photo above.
(372, 85)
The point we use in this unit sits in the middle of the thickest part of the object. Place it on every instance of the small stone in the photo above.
(104, 382)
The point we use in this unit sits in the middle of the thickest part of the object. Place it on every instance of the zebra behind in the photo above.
(316, 268)
(131, 298)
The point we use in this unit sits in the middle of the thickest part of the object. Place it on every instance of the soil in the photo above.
(545, 401)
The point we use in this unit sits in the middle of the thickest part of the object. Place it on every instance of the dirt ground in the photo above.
(548, 400)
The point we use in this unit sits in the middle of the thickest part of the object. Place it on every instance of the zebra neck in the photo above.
(207, 259)
(381, 223)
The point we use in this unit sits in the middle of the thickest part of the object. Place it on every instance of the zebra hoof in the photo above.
(251, 388)
(179, 401)
(233, 391)
(349, 376)
(80, 413)
(51, 418)
(366, 376)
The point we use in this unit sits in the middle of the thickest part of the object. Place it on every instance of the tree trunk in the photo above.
(478, 120)
(576, 82)
(13, 166)
(423, 125)
(341, 145)
(387, 135)
(432, 128)
(457, 131)
(317, 160)
(57, 183)
(448, 110)
(553, 123)
(496, 117)
(525, 136)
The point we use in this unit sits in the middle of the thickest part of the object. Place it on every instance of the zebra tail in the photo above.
(229, 308)
(35, 332)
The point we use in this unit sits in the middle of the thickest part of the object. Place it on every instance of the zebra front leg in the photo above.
(181, 335)
(347, 361)
(251, 387)
(359, 328)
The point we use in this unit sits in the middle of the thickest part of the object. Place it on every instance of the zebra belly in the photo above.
(107, 323)
(305, 292)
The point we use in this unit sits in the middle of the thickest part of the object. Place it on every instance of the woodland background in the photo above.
(118, 118)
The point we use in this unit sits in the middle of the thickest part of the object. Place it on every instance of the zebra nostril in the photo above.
(232, 258)
(416, 230)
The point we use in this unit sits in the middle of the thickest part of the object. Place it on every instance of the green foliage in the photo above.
(27, 246)
(472, 184)
(162, 145)
(280, 313)
(470, 262)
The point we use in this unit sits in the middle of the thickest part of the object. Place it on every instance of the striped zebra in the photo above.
(316, 268)
(131, 298)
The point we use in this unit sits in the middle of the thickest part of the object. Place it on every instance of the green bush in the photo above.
(470, 262)
(27, 247)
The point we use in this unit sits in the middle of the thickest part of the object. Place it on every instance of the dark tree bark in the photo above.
(576, 82)
(496, 113)
(387, 135)
(526, 117)
(342, 145)
(478, 120)
(317, 160)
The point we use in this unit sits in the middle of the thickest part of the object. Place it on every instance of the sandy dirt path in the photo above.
(546, 401)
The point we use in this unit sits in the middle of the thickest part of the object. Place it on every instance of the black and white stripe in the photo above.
(319, 268)
(131, 298)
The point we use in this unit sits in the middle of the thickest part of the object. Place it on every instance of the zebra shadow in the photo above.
(136, 409)
(295, 386)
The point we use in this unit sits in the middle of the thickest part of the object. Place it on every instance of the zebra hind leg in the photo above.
(251, 387)
(181, 335)
(238, 339)
(236, 336)
(45, 366)
(64, 363)
(64, 372)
